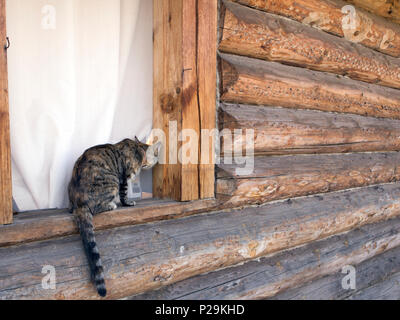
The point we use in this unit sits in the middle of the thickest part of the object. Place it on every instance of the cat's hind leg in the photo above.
(106, 201)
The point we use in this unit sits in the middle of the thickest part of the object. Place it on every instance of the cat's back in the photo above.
(98, 156)
(94, 163)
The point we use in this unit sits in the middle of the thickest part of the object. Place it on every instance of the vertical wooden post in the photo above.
(5, 149)
(167, 90)
(207, 80)
(185, 39)
(190, 106)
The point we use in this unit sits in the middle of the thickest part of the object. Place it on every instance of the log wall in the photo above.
(253, 33)
(368, 249)
(288, 131)
(323, 190)
(252, 81)
(384, 8)
(276, 178)
(324, 106)
(370, 30)
(377, 278)
(147, 257)
(323, 102)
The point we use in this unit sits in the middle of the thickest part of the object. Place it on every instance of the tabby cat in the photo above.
(100, 183)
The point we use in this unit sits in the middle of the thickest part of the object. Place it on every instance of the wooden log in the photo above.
(384, 8)
(269, 276)
(146, 257)
(286, 131)
(252, 33)
(38, 226)
(368, 273)
(6, 213)
(388, 289)
(251, 81)
(370, 30)
(282, 177)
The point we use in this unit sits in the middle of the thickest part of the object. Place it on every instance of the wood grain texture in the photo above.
(369, 273)
(252, 81)
(370, 30)
(274, 275)
(207, 83)
(37, 226)
(190, 184)
(388, 289)
(167, 92)
(282, 177)
(6, 214)
(388, 9)
(252, 33)
(146, 257)
(185, 36)
(287, 131)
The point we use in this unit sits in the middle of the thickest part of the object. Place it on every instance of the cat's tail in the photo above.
(84, 219)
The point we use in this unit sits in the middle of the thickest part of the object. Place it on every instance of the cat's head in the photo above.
(152, 154)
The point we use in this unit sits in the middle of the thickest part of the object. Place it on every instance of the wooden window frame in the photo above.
(6, 212)
(184, 87)
(185, 91)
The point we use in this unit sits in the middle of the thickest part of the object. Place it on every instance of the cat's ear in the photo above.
(137, 140)
(149, 140)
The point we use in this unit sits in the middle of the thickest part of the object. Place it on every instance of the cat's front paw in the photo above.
(130, 203)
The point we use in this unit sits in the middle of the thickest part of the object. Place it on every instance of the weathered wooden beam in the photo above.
(282, 177)
(270, 276)
(167, 91)
(370, 273)
(258, 34)
(185, 36)
(6, 213)
(384, 8)
(146, 257)
(287, 131)
(190, 182)
(252, 81)
(388, 289)
(370, 30)
(175, 95)
(207, 82)
(38, 226)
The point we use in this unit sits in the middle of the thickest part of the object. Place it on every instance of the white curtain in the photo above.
(80, 74)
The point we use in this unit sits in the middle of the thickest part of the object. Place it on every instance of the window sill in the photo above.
(48, 224)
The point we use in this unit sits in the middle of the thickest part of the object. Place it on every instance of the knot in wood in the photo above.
(167, 102)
